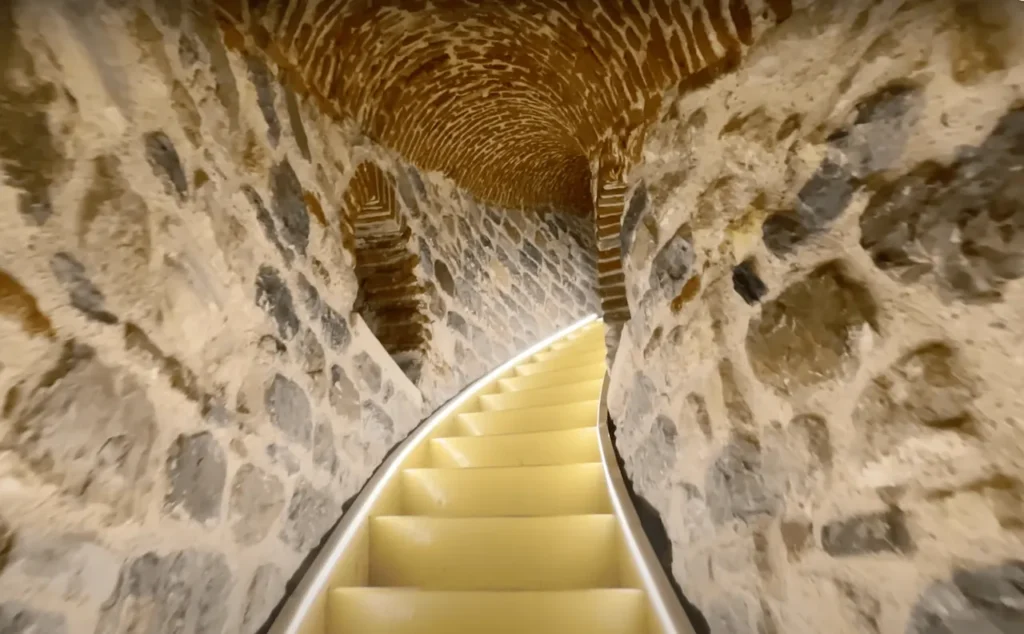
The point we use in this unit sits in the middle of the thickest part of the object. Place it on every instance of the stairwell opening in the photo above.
(390, 299)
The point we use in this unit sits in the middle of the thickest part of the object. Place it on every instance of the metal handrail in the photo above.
(667, 609)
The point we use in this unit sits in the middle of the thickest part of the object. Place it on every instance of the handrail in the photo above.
(297, 607)
(670, 614)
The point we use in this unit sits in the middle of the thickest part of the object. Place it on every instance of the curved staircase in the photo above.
(504, 513)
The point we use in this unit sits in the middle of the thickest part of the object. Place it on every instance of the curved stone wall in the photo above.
(188, 393)
(816, 257)
(819, 389)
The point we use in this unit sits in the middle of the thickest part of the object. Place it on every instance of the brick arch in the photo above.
(525, 104)
(511, 99)
(391, 299)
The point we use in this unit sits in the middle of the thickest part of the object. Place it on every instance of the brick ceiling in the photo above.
(515, 101)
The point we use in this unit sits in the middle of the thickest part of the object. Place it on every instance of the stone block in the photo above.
(89, 429)
(324, 454)
(265, 591)
(18, 618)
(273, 296)
(737, 487)
(257, 499)
(378, 420)
(909, 224)
(289, 206)
(289, 410)
(70, 566)
(281, 455)
(867, 534)
(671, 267)
(184, 591)
(196, 474)
(987, 599)
(806, 335)
(343, 395)
(166, 164)
(266, 222)
(311, 513)
(747, 283)
(310, 353)
(84, 294)
(264, 84)
(369, 372)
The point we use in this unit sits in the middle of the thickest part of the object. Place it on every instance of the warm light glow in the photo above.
(365, 503)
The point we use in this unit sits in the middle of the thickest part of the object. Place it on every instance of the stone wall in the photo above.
(186, 395)
(820, 387)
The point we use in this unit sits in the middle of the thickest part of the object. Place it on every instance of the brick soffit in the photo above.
(516, 101)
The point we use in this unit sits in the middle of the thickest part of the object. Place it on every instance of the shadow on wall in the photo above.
(654, 528)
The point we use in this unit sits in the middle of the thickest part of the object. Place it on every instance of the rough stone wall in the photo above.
(495, 281)
(186, 396)
(820, 387)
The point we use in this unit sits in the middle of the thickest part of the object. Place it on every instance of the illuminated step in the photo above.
(542, 397)
(555, 378)
(578, 349)
(494, 553)
(405, 611)
(561, 363)
(594, 338)
(577, 489)
(534, 419)
(568, 446)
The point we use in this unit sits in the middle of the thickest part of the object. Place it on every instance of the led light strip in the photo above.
(296, 610)
(670, 615)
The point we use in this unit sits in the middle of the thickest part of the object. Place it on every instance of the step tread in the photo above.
(568, 361)
(554, 378)
(407, 611)
(543, 396)
(506, 491)
(561, 447)
(530, 419)
(494, 553)
(578, 349)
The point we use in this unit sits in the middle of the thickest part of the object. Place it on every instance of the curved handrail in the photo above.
(296, 610)
(670, 614)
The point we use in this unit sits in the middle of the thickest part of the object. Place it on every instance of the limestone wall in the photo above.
(821, 386)
(187, 395)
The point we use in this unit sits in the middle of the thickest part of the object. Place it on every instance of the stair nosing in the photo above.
(532, 466)
(409, 590)
(484, 411)
(492, 518)
(547, 387)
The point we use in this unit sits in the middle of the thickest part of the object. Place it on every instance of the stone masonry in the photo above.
(248, 245)
(820, 386)
(189, 390)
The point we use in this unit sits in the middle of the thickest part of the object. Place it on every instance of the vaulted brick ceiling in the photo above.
(517, 101)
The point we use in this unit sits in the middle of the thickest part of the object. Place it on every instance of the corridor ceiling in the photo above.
(516, 101)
